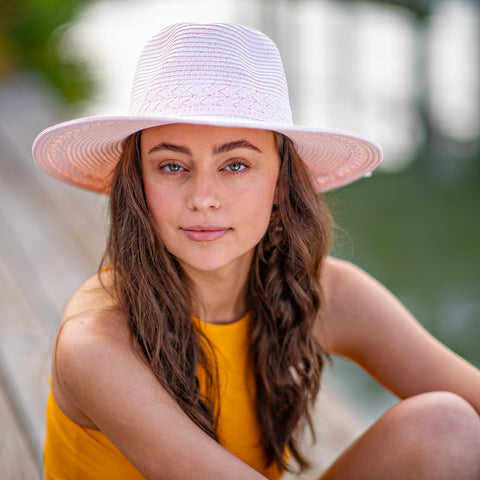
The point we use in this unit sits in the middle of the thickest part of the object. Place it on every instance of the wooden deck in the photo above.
(52, 238)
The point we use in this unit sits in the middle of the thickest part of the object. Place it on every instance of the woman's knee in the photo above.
(429, 436)
(439, 430)
(436, 413)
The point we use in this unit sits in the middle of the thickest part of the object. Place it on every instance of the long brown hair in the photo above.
(284, 295)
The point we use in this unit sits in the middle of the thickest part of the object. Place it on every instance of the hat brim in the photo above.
(84, 152)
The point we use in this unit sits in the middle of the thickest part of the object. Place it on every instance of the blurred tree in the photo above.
(30, 39)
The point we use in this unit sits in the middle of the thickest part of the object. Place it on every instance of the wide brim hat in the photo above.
(223, 75)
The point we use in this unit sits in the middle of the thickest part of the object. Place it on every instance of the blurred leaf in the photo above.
(31, 34)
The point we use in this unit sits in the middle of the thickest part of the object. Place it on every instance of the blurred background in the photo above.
(403, 72)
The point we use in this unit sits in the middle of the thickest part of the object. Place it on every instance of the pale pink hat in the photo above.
(219, 74)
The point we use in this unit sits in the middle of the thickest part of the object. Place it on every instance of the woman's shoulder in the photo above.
(93, 297)
(352, 297)
(347, 286)
(91, 331)
(341, 280)
(92, 315)
(340, 275)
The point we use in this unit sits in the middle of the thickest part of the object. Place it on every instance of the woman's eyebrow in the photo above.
(227, 147)
(171, 147)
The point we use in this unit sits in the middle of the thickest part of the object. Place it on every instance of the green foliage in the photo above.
(30, 38)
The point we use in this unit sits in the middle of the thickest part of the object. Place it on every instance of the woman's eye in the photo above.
(171, 168)
(235, 167)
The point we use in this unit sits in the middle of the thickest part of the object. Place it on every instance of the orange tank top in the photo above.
(74, 452)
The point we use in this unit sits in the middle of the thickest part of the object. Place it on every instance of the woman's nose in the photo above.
(204, 193)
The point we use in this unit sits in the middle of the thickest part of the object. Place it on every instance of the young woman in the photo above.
(196, 350)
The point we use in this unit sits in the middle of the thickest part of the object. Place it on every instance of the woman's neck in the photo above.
(221, 295)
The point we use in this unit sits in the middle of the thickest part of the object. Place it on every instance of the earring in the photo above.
(275, 221)
(274, 213)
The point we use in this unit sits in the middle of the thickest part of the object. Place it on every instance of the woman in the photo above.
(196, 351)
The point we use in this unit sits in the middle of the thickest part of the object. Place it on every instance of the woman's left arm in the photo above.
(365, 323)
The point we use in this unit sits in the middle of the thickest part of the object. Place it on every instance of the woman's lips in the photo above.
(204, 233)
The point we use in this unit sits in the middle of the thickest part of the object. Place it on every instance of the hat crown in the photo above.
(215, 70)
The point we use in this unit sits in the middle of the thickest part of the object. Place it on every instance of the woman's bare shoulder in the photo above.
(93, 311)
(92, 329)
(351, 295)
(341, 276)
(92, 320)
(92, 297)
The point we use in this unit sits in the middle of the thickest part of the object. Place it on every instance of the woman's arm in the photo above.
(367, 324)
(99, 379)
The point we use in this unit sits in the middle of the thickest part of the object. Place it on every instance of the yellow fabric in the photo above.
(238, 426)
(74, 452)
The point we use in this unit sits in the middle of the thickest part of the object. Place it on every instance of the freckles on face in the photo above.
(210, 190)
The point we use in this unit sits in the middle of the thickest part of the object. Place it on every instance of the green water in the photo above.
(420, 236)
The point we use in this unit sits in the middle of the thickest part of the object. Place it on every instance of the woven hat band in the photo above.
(189, 70)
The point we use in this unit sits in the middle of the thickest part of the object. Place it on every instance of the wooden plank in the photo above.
(50, 241)
(16, 459)
(25, 359)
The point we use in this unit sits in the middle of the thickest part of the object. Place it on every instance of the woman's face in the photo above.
(210, 191)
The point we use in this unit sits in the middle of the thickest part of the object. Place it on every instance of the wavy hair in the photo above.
(284, 295)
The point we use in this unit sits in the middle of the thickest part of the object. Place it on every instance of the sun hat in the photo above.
(212, 74)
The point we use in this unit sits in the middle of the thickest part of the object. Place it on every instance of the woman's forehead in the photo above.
(188, 133)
